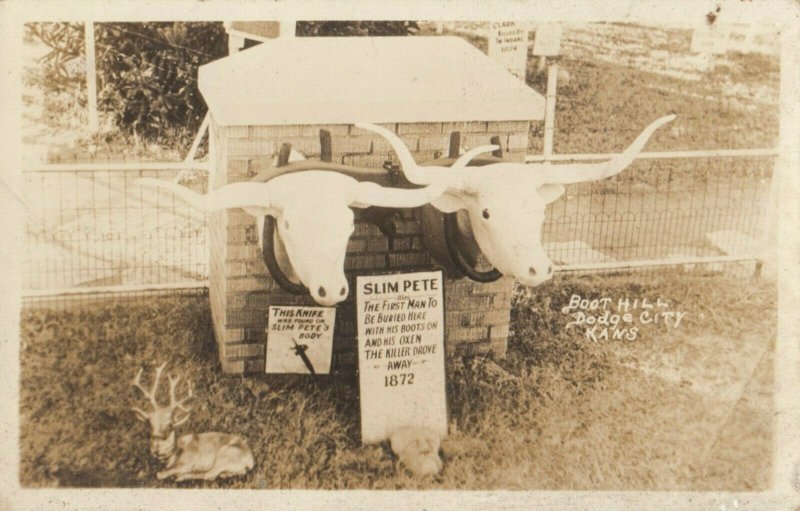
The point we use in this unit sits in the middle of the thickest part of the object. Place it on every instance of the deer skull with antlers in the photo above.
(193, 456)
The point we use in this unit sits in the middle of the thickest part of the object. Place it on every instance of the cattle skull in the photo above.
(313, 216)
(506, 201)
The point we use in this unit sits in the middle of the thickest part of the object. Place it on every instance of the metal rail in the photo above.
(133, 288)
(117, 167)
(647, 263)
(713, 153)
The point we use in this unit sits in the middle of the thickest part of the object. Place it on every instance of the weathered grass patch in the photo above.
(558, 413)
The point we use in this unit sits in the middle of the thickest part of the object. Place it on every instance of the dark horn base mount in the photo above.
(456, 242)
(383, 218)
(271, 260)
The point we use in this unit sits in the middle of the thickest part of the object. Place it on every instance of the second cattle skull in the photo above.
(506, 201)
(313, 217)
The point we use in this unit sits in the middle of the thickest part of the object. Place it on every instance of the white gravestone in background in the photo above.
(299, 339)
(401, 359)
(508, 46)
(709, 40)
(547, 41)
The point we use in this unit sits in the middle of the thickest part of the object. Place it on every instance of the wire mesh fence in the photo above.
(93, 234)
(91, 231)
(663, 212)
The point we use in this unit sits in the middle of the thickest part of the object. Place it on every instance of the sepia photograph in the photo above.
(525, 253)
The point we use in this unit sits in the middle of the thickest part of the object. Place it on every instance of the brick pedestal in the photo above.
(241, 287)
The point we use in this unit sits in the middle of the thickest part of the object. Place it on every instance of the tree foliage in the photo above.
(356, 28)
(62, 66)
(147, 72)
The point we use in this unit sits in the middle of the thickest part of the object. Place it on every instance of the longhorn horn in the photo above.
(412, 171)
(619, 163)
(467, 157)
(252, 197)
(566, 174)
(460, 181)
(372, 194)
(197, 200)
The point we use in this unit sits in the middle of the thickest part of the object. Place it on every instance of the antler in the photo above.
(178, 404)
(150, 394)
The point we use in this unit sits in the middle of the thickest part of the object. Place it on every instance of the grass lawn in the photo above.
(678, 408)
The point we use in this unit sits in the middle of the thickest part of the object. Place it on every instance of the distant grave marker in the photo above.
(709, 40)
(508, 46)
(547, 41)
(401, 353)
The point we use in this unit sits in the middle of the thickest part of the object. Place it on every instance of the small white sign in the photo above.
(299, 339)
(709, 40)
(547, 40)
(401, 359)
(508, 46)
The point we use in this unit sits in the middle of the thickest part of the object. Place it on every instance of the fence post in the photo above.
(288, 28)
(541, 64)
(785, 449)
(550, 110)
(91, 75)
(198, 137)
(235, 43)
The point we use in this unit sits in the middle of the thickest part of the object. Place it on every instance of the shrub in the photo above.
(356, 28)
(148, 74)
(63, 66)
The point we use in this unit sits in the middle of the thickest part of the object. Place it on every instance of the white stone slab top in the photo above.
(343, 80)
